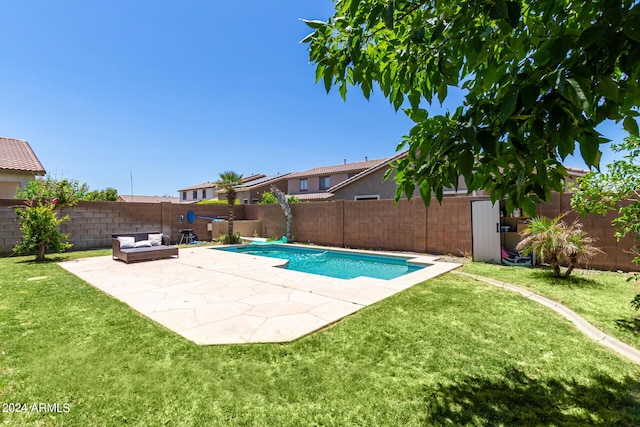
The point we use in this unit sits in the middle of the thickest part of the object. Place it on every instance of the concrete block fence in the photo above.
(373, 224)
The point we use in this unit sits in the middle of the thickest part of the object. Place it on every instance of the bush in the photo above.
(558, 243)
(38, 217)
(229, 239)
(39, 226)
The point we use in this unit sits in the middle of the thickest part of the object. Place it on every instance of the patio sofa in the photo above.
(143, 246)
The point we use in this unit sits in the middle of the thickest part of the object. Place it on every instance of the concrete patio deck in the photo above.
(217, 297)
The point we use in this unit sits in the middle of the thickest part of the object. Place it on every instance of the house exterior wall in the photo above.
(254, 195)
(313, 183)
(11, 181)
(374, 184)
(370, 185)
(209, 193)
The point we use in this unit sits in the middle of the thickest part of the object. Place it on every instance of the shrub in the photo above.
(557, 243)
(39, 226)
(229, 239)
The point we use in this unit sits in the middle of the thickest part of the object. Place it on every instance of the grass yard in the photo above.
(450, 351)
(603, 298)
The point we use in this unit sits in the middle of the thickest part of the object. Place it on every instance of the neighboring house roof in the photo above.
(17, 155)
(311, 196)
(253, 177)
(383, 163)
(210, 184)
(199, 186)
(576, 171)
(260, 182)
(147, 199)
(336, 169)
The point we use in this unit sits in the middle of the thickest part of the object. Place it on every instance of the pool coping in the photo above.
(211, 296)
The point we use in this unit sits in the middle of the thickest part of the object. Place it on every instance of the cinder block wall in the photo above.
(319, 222)
(274, 224)
(91, 224)
(448, 226)
(379, 224)
(408, 226)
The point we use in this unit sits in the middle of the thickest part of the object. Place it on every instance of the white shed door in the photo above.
(485, 226)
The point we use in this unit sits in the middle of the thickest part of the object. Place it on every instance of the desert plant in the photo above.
(229, 180)
(558, 243)
(229, 239)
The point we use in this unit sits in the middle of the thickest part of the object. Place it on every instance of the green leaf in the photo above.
(630, 125)
(308, 37)
(513, 13)
(442, 92)
(466, 163)
(319, 72)
(582, 99)
(315, 24)
(608, 88)
(508, 106)
(499, 10)
(343, 91)
(417, 114)
(328, 78)
(437, 31)
(632, 25)
(590, 150)
(387, 16)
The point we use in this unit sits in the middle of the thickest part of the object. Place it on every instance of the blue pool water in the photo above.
(332, 263)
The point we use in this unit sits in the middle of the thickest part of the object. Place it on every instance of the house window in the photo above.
(303, 184)
(204, 194)
(368, 197)
(184, 195)
(254, 201)
(245, 201)
(195, 194)
(324, 182)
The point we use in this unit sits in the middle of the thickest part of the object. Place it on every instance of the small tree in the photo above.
(38, 217)
(554, 241)
(616, 190)
(228, 181)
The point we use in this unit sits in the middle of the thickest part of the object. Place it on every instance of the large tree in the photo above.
(537, 76)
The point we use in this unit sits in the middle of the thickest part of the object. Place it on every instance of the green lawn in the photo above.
(450, 351)
(603, 298)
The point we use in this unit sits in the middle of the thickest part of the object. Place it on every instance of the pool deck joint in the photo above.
(210, 296)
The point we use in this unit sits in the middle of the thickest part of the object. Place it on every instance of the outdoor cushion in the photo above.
(143, 244)
(155, 239)
(127, 242)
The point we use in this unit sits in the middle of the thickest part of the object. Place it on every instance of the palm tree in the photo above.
(554, 241)
(228, 181)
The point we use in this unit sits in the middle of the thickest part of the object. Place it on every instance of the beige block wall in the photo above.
(408, 226)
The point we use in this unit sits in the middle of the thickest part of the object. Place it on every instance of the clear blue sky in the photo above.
(177, 92)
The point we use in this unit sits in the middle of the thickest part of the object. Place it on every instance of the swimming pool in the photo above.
(338, 264)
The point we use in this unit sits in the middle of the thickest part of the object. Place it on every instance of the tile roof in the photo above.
(334, 169)
(381, 164)
(16, 154)
(261, 181)
(311, 196)
(199, 186)
(147, 199)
